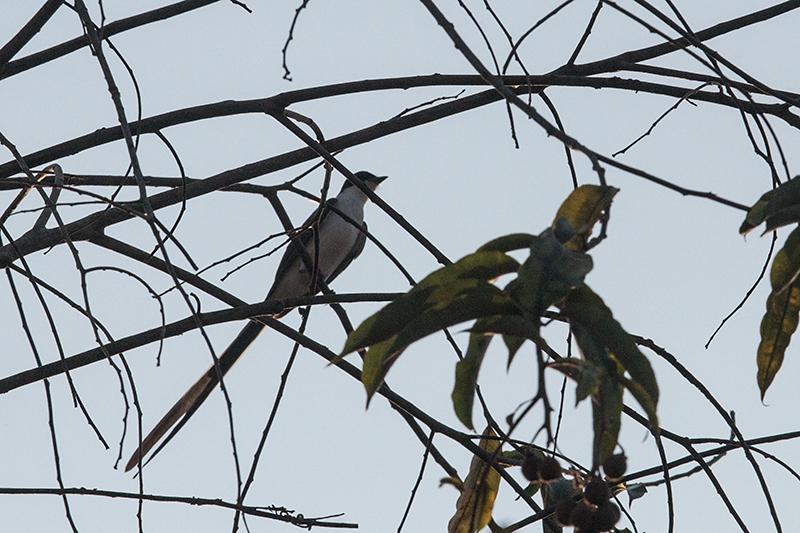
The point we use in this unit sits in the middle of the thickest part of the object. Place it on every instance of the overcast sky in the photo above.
(671, 268)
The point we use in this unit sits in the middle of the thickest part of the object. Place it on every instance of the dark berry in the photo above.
(606, 516)
(582, 516)
(564, 511)
(615, 466)
(596, 491)
(530, 468)
(549, 470)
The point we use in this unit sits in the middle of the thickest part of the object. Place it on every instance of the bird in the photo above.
(340, 242)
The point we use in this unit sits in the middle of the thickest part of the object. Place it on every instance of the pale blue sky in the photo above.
(671, 269)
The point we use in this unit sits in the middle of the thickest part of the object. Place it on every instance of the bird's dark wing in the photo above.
(358, 247)
(302, 239)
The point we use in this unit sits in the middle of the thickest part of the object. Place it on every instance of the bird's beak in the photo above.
(374, 182)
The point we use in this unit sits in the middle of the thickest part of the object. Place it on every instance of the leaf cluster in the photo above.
(778, 207)
(551, 276)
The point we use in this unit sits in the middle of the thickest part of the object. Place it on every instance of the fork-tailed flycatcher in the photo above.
(340, 241)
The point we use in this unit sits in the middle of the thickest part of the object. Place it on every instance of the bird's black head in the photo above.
(367, 178)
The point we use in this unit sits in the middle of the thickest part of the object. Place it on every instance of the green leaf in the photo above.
(467, 377)
(473, 300)
(777, 326)
(377, 363)
(600, 375)
(513, 344)
(514, 328)
(548, 274)
(462, 301)
(436, 290)
(533, 487)
(583, 208)
(586, 375)
(586, 309)
(606, 422)
(756, 215)
(511, 324)
(783, 305)
(636, 491)
(606, 418)
(593, 349)
(507, 243)
(474, 506)
(641, 396)
(606, 391)
(786, 265)
(589, 380)
(781, 204)
(784, 217)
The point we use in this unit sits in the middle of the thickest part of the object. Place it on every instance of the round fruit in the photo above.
(606, 516)
(582, 516)
(596, 491)
(615, 466)
(550, 470)
(530, 468)
(564, 511)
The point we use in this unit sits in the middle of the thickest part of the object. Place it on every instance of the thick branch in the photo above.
(118, 26)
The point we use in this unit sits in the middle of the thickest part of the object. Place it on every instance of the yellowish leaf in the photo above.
(474, 506)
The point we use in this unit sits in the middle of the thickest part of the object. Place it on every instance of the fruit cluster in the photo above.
(594, 512)
(541, 469)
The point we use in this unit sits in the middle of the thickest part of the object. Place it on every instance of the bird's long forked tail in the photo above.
(195, 396)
